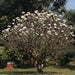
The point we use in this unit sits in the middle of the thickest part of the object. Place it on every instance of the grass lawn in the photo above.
(1, 49)
(49, 70)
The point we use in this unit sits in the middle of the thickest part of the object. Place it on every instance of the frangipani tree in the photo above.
(38, 34)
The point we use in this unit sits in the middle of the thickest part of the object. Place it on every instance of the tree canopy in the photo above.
(38, 34)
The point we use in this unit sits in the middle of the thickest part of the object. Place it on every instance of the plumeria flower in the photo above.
(48, 14)
(21, 25)
(71, 27)
(24, 28)
(13, 23)
(49, 24)
(36, 11)
(60, 16)
(55, 27)
(9, 26)
(41, 34)
(23, 12)
(7, 29)
(66, 38)
(55, 24)
(62, 31)
(56, 15)
(28, 13)
(56, 33)
(13, 20)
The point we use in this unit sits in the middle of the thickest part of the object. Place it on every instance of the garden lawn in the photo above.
(1, 49)
(49, 70)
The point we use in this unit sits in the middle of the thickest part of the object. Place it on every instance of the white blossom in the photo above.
(13, 19)
(24, 28)
(71, 27)
(66, 38)
(49, 24)
(17, 18)
(64, 20)
(27, 32)
(62, 31)
(55, 24)
(18, 24)
(21, 25)
(56, 15)
(3, 31)
(49, 11)
(56, 33)
(53, 30)
(5, 35)
(49, 32)
(36, 11)
(48, 14)
(65, 35)
(60, 16)
(55, 27)
(15, 32)
(41, 34)
(58, 19)
(15, 26)
(37, 34)
(51, 14)
(43, 25)
(28, 13)
(7, 29)
(8, 26)
(20, 34)
(32, 29)
(20, 30)
(13, 23)
(23, 12)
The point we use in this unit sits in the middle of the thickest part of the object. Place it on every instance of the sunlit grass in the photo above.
(49, 70)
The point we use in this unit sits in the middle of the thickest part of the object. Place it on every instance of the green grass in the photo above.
(1, 49)
(49, 70)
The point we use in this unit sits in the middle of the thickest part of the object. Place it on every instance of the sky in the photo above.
(70, 4)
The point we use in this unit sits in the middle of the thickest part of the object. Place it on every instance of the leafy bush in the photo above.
(66, 56)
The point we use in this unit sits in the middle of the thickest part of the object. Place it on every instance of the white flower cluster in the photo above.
(44, 25)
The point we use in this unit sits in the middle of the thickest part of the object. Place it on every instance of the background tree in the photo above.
(70, 16)
(58, 6)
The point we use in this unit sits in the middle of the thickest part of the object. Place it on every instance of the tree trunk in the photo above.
(40, 69)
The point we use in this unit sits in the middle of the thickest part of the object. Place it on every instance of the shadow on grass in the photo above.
(28, 73)
(25, 66)
(71, 67)
(18, 73)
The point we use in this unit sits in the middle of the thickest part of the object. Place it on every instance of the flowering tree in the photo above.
(38, 34)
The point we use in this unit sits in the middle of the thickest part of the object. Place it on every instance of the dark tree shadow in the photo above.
(28, 73)
(71, 67)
